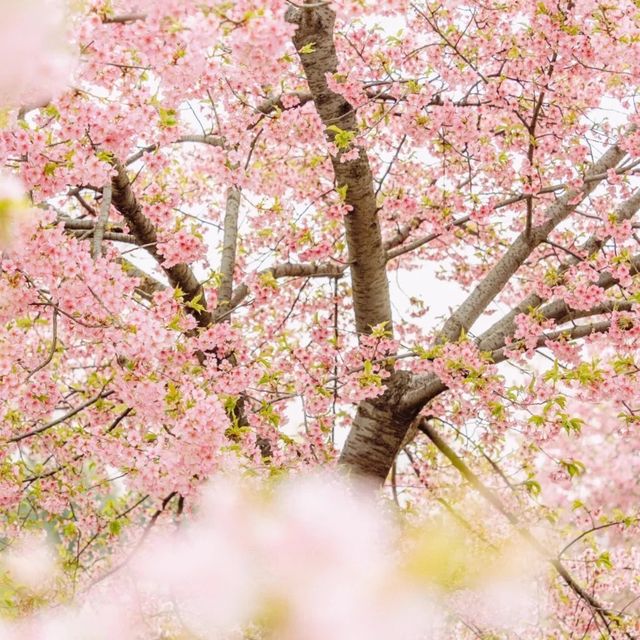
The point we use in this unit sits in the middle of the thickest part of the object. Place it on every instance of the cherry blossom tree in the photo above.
(226, 197)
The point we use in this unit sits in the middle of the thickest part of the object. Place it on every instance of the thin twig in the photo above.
(63, 418)
(54, 344)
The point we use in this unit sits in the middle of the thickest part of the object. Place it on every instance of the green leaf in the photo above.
(267, 279)
(194, 303)
(369, 378)
(497, 410)
(175, 324)
(105, 156)
(573, 467)
(50, 168)
(168, 117)
(178, 293)
(310, 47)
(173, 396)
(341, 137)
(413, 86)
(51, 111)
(342, 192)
(533, 487)
(604, 560)
(115, 527)
(380, 330)
(536, 420)
(571, 425)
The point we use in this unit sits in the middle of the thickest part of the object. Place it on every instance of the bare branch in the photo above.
(390, 165)
(418, 242)
(75, 193)
(214, 141)
(600, 527)
(289, 270)
(124, 19)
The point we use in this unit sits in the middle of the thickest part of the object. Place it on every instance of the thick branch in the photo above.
(124, 19)
(229, 246)
(571, 333)
(214, 141)
(506, 325)
(288, 270)
(600, 309)
(101, 223)
(147, 284)
(179, 275)
(493, 283)
(112, 236)
(367, 258)
(426, 388)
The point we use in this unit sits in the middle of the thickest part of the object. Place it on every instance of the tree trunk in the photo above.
(367, 259)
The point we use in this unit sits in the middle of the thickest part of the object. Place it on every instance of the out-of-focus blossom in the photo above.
(13, 207)
(30, 564)
(308, 558)
(36, 57)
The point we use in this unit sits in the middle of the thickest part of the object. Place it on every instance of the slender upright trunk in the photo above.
(378, 428)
